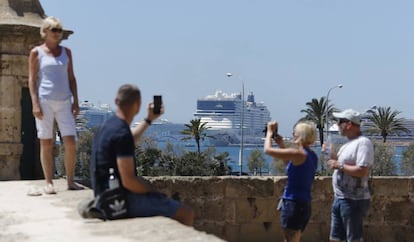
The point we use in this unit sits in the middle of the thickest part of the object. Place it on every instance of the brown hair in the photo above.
(127, 95)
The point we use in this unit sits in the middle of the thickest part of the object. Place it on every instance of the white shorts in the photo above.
(59, 110)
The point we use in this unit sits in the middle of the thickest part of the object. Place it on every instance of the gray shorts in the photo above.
(151, 204)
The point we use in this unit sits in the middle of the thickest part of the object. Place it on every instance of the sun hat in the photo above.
(349, 114)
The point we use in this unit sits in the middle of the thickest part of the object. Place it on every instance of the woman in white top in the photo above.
(53, 91)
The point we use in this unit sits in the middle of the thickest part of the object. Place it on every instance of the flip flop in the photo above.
(34, 191)
(49, 189)
(75, 187)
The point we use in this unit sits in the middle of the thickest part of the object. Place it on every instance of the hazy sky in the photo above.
(286, 52)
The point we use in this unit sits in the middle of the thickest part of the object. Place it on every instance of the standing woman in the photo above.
(54, 95)
(301, 164)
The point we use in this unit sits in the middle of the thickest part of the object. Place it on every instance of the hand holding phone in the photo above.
(157, 104)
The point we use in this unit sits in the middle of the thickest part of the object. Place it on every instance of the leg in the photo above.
(157, 204)
(354, 218)
(66, 124)
(184, 215)
(44, 128)
(291, 235)
(46, 158)
(337, 226)
(70, 160)
(294, 217)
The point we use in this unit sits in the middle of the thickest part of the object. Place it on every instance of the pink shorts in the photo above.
(61, 111)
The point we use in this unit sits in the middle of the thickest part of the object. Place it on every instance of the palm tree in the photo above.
(384, 122)
(196, 130)
(316, 112)
(256, 161)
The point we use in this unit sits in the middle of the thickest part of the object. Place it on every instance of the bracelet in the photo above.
(148, 121)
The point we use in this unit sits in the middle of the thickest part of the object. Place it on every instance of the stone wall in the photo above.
(243, 208)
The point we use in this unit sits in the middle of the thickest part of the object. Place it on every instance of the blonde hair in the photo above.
(50, 23)
(305, 132)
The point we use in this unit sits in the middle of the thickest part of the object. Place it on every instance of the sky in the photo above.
(284, 51)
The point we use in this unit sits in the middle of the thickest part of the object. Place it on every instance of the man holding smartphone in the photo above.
(114, 147)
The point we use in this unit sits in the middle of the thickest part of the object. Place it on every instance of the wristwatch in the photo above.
(341, 167)
(148, 121)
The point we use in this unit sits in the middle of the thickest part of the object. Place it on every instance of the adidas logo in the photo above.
(118, 207)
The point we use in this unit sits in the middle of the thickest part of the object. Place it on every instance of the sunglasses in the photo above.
(56, 30)
(342, 120)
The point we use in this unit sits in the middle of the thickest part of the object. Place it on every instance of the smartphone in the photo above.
(157, 104)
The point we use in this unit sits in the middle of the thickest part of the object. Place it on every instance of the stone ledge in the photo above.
(55, 218)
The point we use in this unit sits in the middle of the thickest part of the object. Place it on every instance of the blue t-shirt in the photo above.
(300, 178)
(112, 140)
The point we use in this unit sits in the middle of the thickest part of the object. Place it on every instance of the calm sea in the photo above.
(235, 150)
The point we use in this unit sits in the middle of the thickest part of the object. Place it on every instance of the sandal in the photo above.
(34, 191)
(49, 189)
(75, 187)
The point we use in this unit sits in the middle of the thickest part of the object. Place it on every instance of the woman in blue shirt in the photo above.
(301, 163)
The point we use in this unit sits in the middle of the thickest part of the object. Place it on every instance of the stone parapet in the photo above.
(244, 208)
(231, 208)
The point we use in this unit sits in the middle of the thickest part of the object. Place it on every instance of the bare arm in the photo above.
(352, 170)
(139, 130)
(130, 181)
(33, 79)
(296, 156)
(72, 83)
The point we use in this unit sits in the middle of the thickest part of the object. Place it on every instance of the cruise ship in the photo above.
(223, 114)
(94, 115)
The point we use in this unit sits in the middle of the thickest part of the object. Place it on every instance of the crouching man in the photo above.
(114, 146)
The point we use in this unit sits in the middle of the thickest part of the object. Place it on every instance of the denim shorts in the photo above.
(348, 218)
(295, 215)
(151, 204)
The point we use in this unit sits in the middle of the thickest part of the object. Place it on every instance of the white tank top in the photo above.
(53, 81)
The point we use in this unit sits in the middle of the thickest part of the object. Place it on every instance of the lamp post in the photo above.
(241, 127)
(327, 107)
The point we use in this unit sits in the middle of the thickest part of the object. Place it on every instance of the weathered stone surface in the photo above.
(247, 186)
(55, 218)
(240, 217)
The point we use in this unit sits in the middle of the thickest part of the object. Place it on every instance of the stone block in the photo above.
(249, 187)
(260, 232)
(211, 227)
(231, 232)
(391, 187)
(382, 233)
(279, 185)
(231, 211)
(10, 120)
(258, 209)
(322, 189)
(9, 167)
(399, 213)
(200, 186)
(321, 211)
(14, 65)
(211, 209)
(315, 232)
(10, 92)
